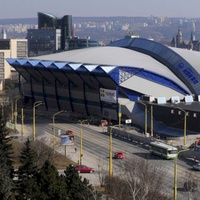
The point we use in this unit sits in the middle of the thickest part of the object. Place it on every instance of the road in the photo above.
(96, 153)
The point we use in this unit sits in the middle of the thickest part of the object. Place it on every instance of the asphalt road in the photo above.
(96, 153)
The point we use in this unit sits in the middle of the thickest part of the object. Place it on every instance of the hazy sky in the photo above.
(98, 8)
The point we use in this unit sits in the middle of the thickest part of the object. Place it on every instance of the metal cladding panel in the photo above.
(11, 60)
(106, 82)
(34, 73)
(47, 75)
(61, 77)
(48, 64)
(33, 62)
(74, 66)
(60, 65)
(23, 73)
(82, 69)
(90, 80)
(22, 61)
(132, 95)
(90, 67)
(114, 74)
(74, 78)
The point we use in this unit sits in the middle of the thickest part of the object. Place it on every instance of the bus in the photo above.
(163, 150)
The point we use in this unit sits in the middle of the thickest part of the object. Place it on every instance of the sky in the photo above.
(100, 8)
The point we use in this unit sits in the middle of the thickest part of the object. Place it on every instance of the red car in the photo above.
(69, 132)
(119, 155)
(84, 169)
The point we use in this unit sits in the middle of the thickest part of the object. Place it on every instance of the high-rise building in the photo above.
(51, 34)
(54, 35)
(10, 48)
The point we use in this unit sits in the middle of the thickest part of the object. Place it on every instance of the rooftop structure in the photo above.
(100, 81)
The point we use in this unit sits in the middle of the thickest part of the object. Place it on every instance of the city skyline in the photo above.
(104, 8)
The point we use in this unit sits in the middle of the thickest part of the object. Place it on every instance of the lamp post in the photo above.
(81, 140)
(145, 117)
(12, 111)
(120, 113)
(36, 104)
(15, 114)
(185, 123)
(22, 127)
(111, 156)
(151, 121)
(175, 173)
(12, 107)
(54, 133)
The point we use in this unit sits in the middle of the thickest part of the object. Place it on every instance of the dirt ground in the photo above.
(58, 160)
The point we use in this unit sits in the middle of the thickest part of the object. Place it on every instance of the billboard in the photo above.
(108, 95)
(67, 139)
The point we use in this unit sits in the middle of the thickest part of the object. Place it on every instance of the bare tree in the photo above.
(43, 151)
(102, 171)
(190, 188)
(138, 180)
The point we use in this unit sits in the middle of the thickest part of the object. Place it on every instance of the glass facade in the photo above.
(42, 42)
(76, 43)
(47, 21)
(4, 44)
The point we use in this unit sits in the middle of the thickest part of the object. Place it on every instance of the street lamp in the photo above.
(175, 172)
(54, 133)
(185, 124)
(15, 114)
(151, 121)
(12, 107)
(145, 117)
(22, 127)
(120, 113)
(81, 140)
(36, 104)
(185, 118)
(111, 156)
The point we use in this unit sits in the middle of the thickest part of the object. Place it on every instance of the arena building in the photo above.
(135, 80)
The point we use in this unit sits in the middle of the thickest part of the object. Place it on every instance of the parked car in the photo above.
(119, 155)
(69, 132)
(84, 169)
(196, 166)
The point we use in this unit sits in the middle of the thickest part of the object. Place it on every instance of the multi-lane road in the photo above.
(96, 153)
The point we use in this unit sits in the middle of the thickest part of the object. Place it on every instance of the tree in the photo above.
(6, 164)
(6, 150)
(6, 186)
(28, 162)
(77, 188)
(26, 172)
(50, 184)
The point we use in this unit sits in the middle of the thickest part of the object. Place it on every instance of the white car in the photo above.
(196, 166)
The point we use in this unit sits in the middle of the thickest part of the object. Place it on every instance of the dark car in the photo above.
(196, 166)
(84, 169)
(119, 155)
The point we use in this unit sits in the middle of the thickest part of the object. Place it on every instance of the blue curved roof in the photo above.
(177, 64)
